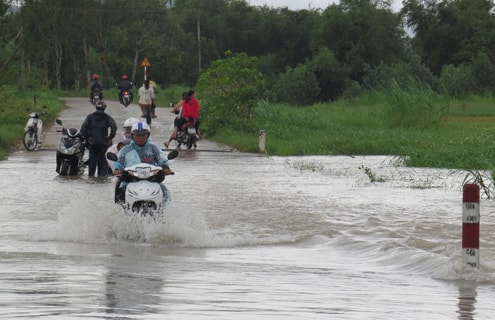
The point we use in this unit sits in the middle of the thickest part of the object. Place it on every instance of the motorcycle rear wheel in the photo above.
(126, 102)
(148, 115)
(30, 139)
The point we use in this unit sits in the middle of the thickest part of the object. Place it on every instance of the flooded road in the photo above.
(245, 237)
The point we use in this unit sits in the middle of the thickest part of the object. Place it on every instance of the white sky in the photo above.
(306, 4)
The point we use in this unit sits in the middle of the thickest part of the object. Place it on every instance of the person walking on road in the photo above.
(146, 97)
(98, 129)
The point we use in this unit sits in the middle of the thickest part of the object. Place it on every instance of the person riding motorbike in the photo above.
(96, 85)
(190, 112)
(124, 85)
(140, 150)
(177, 109)
(126, 137)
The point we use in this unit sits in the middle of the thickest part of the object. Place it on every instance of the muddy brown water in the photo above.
(245, 237)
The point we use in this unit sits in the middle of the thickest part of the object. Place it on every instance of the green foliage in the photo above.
(414, 107)
(297, 86)
(456, 81)
(228, 91)
(15, 106)
(483, 178)
(450, 32)
(404, 74)
(474, 77)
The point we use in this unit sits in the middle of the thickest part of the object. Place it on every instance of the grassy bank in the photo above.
(15, 105)
(460, 139)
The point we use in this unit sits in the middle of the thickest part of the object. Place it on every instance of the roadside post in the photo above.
(262, 140)
(471, 225)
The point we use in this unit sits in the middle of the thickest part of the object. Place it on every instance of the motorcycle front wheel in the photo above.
(30, 140)
(64, 167)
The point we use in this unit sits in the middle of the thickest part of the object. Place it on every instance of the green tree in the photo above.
(450, 32)
(297, 86)
(229, 90)
(362, 33)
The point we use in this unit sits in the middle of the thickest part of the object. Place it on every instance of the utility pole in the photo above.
(198, 26)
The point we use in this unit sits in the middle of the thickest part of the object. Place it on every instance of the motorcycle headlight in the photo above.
(143, 173)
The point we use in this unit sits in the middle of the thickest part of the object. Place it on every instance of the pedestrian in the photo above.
(146, 97)
(98, 129)
(153, 102)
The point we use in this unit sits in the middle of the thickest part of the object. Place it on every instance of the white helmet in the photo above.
(129, 123)
(140, 128)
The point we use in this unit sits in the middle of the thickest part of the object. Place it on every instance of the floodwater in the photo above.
(245, 237)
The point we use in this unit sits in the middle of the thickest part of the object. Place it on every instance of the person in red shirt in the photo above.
(189, 114)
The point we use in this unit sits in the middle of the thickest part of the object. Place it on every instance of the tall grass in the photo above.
(424, 129)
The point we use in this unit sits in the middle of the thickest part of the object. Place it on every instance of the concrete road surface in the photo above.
(161, 127)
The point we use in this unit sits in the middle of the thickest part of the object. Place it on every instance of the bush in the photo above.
(297, 86)
(229, 90)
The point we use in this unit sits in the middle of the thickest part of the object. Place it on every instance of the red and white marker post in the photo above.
(471, 224)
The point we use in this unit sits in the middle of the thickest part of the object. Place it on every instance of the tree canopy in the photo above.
(328, 54)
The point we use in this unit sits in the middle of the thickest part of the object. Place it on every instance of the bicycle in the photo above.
(32, 131)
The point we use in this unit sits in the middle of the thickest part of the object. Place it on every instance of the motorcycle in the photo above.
(187, 136)
(126, 98)
(144, 193)
(32, 131)
(70, 152)
(95, 96)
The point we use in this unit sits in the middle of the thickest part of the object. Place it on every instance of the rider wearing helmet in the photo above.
(124, 85)
(96, 85)
(126, 138)
(98, 129)
(128, 127)
(140, 150)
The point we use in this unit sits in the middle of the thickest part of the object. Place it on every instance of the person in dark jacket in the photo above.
(98, 129)
(124, 85)
(96, 85)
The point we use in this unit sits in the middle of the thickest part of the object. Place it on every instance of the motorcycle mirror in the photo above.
(112, 156)
(58, 121)
(173, 154)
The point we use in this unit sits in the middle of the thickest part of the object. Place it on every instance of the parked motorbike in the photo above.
(70, 152)
(187, 136)
(144, 193)
(32, 131)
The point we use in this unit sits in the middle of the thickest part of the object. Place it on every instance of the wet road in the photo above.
(245, 237)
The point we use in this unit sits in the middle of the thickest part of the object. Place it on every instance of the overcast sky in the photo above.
(306, 4)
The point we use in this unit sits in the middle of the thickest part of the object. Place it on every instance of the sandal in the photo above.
(166, 144)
